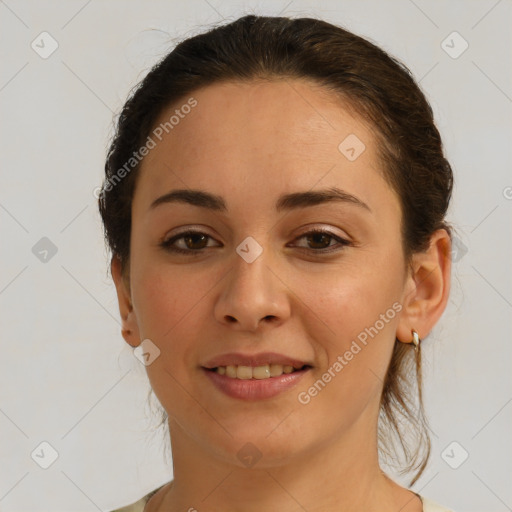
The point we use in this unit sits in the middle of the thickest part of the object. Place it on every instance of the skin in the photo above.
(250, 143)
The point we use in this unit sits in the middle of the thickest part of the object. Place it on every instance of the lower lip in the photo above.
(255, 389)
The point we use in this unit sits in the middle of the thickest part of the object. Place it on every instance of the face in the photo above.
(330, 300)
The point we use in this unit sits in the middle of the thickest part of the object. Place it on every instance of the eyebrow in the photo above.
(203, 199)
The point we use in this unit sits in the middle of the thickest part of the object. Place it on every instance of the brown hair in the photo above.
(377, 86)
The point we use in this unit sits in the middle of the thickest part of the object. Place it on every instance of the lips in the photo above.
(255, 389)
(253, 360)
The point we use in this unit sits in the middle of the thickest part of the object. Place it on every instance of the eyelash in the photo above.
(167, 244)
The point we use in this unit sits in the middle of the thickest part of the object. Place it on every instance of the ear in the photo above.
(130, 329)
(427, 288)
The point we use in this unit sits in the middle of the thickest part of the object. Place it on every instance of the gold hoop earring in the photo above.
(415, 339)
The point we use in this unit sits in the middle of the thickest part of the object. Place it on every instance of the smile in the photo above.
(265, 371)
(250, 387)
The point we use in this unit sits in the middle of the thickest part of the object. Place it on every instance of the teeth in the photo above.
(258, 372)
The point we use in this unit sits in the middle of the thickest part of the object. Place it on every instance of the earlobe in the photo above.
(129, 331)
(428, 287)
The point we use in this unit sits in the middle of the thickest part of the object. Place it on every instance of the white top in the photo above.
(431, 506)
(428, 505)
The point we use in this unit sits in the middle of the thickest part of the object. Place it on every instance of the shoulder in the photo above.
(139, 505)
(431, 506)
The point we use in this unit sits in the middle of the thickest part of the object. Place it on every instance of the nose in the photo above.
(252, 295)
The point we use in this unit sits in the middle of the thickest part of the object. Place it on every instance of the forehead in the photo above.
(261, 137)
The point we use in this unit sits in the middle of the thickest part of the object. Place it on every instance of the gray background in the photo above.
(68, 378)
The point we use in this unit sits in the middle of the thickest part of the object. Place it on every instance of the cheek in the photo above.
(163, 300)
(172, 306)
(352, 296)
(167, 308)
(356, 352)
(361, 309)
(362, 321)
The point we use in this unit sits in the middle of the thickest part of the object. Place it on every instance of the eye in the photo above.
(195, 239)
(320, 240)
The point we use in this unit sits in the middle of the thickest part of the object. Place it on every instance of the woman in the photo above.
(275, 200)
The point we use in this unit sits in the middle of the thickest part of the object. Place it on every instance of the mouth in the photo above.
(254, 376)
(257, 382)
(262, 372)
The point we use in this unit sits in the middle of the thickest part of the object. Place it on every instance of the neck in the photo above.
(339, 476)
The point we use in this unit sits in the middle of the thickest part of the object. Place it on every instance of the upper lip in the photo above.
(236, 359)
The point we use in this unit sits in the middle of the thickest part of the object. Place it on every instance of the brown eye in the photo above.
(195, 238)
(319, 241)
(194, 242)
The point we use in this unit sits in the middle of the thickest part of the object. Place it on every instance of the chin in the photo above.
(257, 448)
